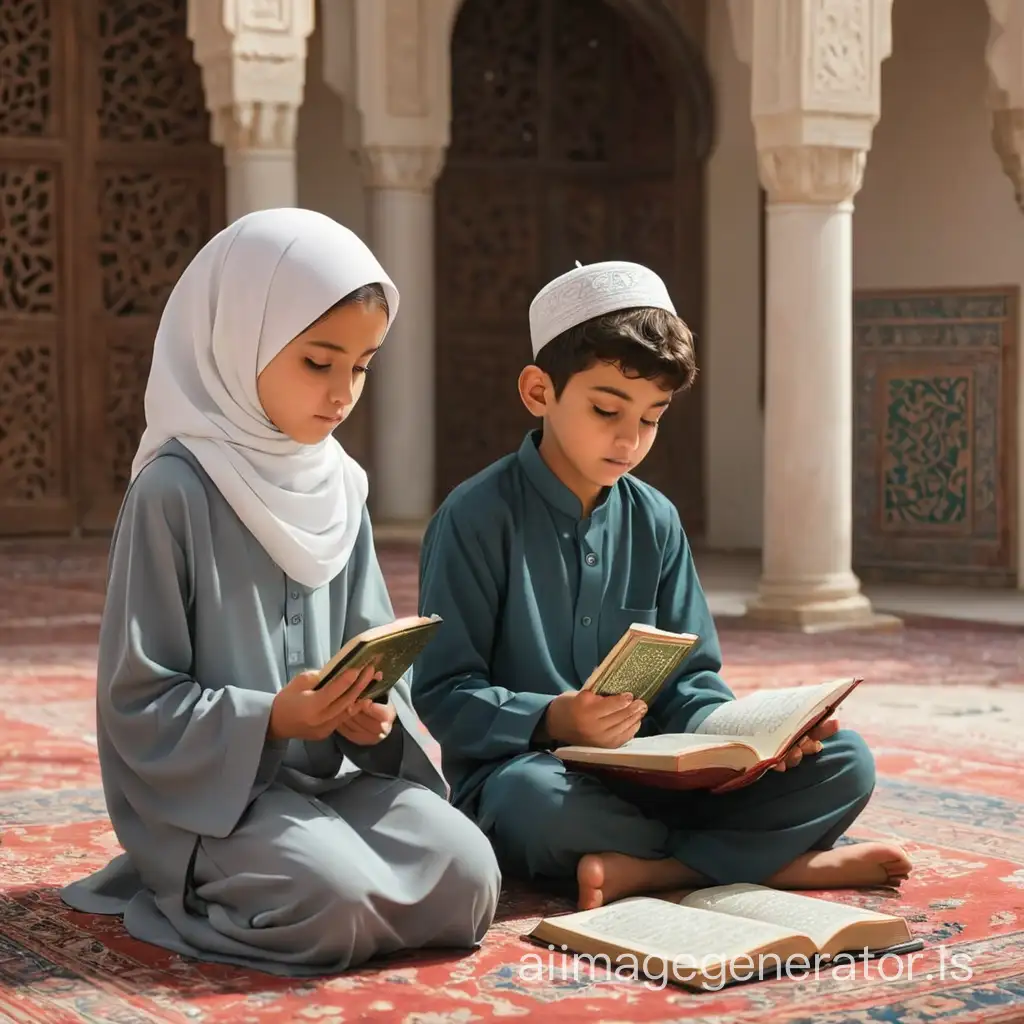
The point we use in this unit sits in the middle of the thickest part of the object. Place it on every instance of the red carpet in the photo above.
(943, 708)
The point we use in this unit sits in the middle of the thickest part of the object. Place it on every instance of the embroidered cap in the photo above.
(593, 290)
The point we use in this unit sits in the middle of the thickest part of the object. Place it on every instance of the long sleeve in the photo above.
(698, 689)
(463, 580)
(369, 605)
(190, 753)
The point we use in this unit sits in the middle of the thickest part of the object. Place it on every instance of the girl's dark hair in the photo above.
(371, 295)
(645, 342)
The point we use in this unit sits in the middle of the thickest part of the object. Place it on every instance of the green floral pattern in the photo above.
(926, 468)
(934, 439)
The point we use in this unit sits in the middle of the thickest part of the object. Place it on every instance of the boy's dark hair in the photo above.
(645, 342)
(371, 295)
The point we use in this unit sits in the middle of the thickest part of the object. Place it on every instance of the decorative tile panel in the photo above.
(935, 436)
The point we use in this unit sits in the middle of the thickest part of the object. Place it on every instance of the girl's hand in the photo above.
(370, 723)
(301, 713)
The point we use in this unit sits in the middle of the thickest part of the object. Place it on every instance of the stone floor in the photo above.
(731, 580)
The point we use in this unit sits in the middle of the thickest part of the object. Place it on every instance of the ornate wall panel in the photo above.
(108, 186)
(935, 436)
(36, 196)
(570, 141)
(157, 192)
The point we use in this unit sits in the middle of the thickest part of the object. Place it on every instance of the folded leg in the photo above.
(309, 885)
(542, 817)
(750, 834)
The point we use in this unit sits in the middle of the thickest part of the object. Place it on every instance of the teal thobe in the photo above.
(292, 857)
(533, 595)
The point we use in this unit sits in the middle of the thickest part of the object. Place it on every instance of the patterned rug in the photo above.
(942, 708)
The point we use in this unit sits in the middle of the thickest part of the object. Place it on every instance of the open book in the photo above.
(641, 662)
(392, 647)
(734, 746)
(728, 933)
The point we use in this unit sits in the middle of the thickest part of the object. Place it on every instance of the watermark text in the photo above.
(713, 972)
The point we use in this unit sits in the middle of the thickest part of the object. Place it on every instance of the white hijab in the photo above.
(248, 292)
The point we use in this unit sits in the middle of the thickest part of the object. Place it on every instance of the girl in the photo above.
(266, 824)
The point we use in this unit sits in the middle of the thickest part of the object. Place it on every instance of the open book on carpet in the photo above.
(712, 937)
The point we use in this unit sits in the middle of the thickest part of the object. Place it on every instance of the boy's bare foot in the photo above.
(845, 867)
(605, 877)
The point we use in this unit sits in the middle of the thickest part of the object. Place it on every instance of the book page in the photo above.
(664, 744)
(765, 713)
(668, 743)
(673, 932)
(820, 919)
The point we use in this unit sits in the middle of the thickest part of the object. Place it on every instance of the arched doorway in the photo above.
(572, 139)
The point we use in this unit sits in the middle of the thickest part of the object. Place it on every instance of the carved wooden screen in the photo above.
(108, 186)
(568, 143)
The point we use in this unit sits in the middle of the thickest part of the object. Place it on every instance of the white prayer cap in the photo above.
(586, 292)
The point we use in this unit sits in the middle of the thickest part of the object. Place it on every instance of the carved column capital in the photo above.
(819, 57)
(395, 75)
(408, 168)
(815, 90)
(811, 174)
(256, 125)
(253, 58)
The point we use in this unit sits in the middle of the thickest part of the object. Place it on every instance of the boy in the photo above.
(538, 564)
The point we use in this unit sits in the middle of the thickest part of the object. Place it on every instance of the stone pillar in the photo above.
(1005, 58)
(815, 100)
(400, 182)
(394, 76)
(253, 58)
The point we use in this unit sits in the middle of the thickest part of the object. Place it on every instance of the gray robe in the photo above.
(295, 857)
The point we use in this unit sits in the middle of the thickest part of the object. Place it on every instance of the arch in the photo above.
(578, 131)
(683, 56)
(684, 64)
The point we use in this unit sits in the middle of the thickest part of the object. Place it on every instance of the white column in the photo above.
(260, 167)
(808, 445)
(401, 196)
(815, 100)
(394, 75)
(253, 58)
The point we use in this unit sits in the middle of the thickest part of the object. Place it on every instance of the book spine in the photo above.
(699, 778)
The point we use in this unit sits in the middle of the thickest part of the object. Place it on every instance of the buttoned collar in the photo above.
(548, 484)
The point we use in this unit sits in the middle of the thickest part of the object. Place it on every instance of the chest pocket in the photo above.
(615, 621)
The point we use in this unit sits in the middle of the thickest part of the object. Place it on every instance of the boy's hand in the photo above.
(370, 723)
(300, 712)
(586, 718)
(809, 744)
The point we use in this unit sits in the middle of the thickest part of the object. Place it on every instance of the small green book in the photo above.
(641, 662)
(392, 648)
